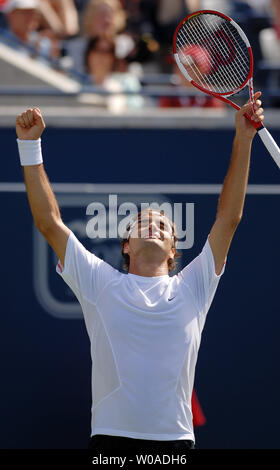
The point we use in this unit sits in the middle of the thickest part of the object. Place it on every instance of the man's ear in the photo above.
(172, 253)
(126, 247)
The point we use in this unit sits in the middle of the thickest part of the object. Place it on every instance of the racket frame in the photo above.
(221, 96)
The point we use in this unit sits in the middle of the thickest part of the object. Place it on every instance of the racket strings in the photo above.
(187, 60)
(242, 59)
(217, 55)
(211, 33)
(224, 55)
(213, 53)
(218, 51)
(240, 69)
(196, 74)
(220, 57)
(185, 39)
(204, 78)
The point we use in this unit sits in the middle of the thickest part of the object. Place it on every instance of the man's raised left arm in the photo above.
(232, 197)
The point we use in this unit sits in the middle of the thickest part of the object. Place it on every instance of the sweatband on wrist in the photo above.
(30, 152)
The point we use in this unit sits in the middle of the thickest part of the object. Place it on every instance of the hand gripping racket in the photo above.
(215, 56)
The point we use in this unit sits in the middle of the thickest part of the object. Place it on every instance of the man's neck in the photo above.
(148, 270)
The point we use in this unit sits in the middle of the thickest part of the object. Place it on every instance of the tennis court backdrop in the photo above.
(44, 349)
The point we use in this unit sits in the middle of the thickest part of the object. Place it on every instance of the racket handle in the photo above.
(257, 125)
(270, 144)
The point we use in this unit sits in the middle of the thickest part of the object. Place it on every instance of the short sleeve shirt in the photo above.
(145, 335)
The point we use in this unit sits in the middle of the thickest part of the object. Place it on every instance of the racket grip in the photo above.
(257, 125)
(270, 144)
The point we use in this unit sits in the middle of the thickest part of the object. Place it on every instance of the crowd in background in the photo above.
(113, 42)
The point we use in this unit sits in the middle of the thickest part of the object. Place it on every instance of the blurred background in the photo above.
(121, 120)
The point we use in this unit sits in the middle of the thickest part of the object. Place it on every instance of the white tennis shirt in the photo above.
(145, 334)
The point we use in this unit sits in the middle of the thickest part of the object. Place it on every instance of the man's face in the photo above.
(151, 236)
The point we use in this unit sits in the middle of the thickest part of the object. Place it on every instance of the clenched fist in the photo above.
(30, 124)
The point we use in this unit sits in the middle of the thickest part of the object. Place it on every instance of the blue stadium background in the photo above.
(45, 360)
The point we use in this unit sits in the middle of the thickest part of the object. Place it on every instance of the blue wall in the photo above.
(45, 362)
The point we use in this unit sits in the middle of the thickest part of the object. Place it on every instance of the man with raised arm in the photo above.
(145, 326)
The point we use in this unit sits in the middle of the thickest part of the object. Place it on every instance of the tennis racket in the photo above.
(215, 56)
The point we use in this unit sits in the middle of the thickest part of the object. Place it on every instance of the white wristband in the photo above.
(30, 152)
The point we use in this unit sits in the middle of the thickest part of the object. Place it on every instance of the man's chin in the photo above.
(152, 245)
(153, 239)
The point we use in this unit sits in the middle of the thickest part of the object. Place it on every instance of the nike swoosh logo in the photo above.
(171, 298)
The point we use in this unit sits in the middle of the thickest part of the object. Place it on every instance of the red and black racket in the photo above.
(215, 56)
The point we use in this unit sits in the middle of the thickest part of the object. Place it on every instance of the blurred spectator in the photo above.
(60, 17)
(253, 16)
(275, 4)
(81, 4)
(101, 18)
(100, 58)
(23, 17)
(158, 20)
(108, 18)
(270, 47)
(40, 24)
(140, 27)
(80, 7)
(270, 37)
(170, 13)
(104, 17)
(112, 73)
(224, 6)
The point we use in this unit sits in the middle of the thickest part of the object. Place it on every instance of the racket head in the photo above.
(213, 53)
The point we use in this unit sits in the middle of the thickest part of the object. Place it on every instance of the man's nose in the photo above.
(153, 226)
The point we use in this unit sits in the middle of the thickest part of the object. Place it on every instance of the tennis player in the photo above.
(144, 326)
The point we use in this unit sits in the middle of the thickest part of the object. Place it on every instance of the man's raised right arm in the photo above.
(45, 211)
